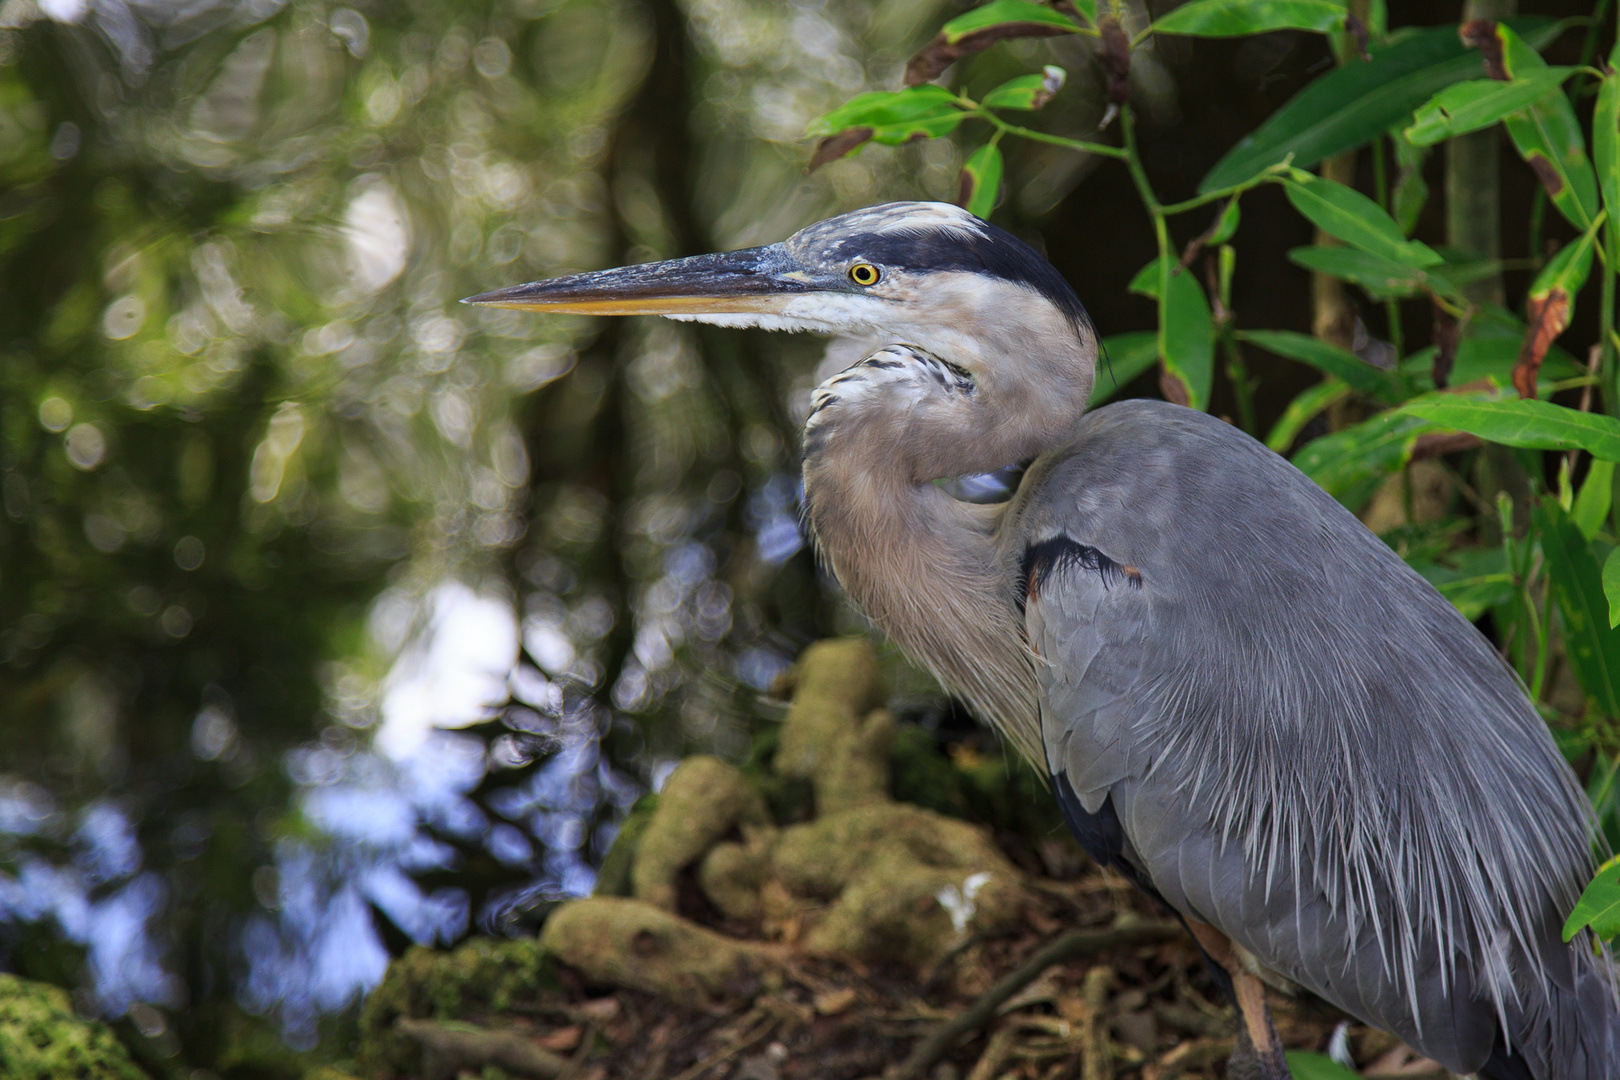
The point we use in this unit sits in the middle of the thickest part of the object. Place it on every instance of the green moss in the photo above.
(484, 973)
(614, 877)
(41, 1038)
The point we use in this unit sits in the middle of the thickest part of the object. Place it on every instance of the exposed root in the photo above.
(448, 1048)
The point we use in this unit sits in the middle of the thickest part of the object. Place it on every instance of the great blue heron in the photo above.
(1247, 704)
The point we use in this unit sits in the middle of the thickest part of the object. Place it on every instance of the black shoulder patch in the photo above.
(1061, 553)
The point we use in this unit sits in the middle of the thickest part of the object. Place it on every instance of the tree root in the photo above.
(448, 1048)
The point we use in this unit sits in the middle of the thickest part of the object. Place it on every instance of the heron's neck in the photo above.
(929, 570)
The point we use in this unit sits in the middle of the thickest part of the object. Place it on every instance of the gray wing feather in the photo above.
(1307, 747)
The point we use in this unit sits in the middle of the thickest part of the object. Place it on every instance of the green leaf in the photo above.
(1469, 106)
(1186, 330)
(1027, 91)
(1606, 138)
(1350, 464)
(1304, 1065)
(1411, 190)
(895, 116)
(1381, 278)
(1611, 586)
(981, 180)
(1592, 504)
(1533, 425)
(1302, 410)
(1491, 358)
(1479, 580)
(1592, 645)
(1349, 215)
(1227, 224)
(1352, 103)
(1549, 138)
(1326, 358)
(1599, 905)
(1234, 18)
(1128, 355)
(999, 12)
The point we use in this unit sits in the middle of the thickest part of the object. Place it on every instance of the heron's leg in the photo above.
(1259, 1052)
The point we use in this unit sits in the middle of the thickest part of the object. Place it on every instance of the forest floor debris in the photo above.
(796, 918)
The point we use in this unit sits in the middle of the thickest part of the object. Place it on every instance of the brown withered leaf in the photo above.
(836, 146)
(1116, 59)
(1173, 389)
(1439, 443)
(563, 1039)
(1358, 33)
(1446, 335)
(1546, 174)
(1481, 34)
(941, 53)
(1547, 317)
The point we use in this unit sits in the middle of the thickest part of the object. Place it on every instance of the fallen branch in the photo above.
(1071, 946)
(450, 1048)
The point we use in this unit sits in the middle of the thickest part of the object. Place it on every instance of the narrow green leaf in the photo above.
(1352, 103)
(1350, 464)
(1326, 358)
(1186, 330)
(1596, 496)
(1478, 103)
(1611, 586)
(1305, 407)
(1349, 215)
(1566, 272)
(1027, 91)
(1411, 192)
(1593, 646)
(1533, 425)
(1549, 138)
(1227, 224)
(1479, 580)
(981, 180)
(895, 116)
(1000, 12)
(1383, 279)
(1128, 355)
(1606, 138)
(1491, 358)
(1308, 1066)
(1234, 18)
(1599, 905)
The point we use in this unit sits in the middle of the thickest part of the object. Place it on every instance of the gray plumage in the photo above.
(1246, 701)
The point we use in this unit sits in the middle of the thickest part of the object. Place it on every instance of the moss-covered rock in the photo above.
(485, 974)
(621, 942)
(42, 1038)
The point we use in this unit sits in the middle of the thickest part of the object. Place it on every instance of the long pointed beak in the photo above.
(753, 280)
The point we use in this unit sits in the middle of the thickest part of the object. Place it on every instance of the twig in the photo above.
(1096, 1063)
(735, 1047)
(996, 1053)
(576, 1065)
(451, 1048)
(1071, 946)
(1190, 1055)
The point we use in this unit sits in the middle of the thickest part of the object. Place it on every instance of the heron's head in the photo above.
(928, 274)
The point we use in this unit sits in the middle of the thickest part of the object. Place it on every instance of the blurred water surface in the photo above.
(280, 515)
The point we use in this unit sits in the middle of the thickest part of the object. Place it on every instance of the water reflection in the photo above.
(354, 614)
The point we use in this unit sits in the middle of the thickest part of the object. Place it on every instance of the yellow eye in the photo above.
(864, 274)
